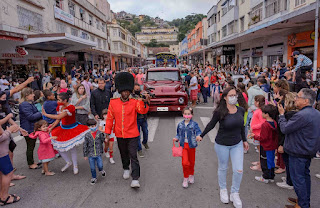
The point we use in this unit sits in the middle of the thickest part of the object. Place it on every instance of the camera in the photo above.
(148, 90)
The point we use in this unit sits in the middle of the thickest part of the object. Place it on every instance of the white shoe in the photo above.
(191, 179)
(284, 185)
(224, 198)
(107, 154)
(66, 167)
(135, 184)
(126, 174)
(318, 176)
(185, 183)
(263, 180)
(75, 170)
(235, 198)
(112, 161)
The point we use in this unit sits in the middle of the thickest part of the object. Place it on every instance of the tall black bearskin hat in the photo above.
(124, 81)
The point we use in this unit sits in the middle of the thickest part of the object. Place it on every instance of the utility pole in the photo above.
(316, 35)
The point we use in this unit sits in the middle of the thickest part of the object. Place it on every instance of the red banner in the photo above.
(58, 60)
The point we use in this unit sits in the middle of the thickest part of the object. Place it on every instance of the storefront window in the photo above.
(257, 61)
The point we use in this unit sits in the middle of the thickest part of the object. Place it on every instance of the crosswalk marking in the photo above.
(153, 123)
(203, 107)
(213, 133)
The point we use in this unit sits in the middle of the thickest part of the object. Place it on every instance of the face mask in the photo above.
(137, 92)
(2, 102)
(187, 117)
(233, 100)
(60, 103)
(93, 129)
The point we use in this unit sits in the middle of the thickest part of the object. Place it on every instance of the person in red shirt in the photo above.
(123, 112)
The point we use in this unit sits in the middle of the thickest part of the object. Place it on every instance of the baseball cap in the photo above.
(295, 53)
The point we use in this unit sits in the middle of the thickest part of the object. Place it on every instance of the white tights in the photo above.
(66, 157)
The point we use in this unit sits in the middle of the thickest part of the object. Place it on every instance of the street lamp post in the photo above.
(315, 55)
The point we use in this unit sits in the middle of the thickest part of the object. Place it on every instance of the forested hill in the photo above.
(184, 24)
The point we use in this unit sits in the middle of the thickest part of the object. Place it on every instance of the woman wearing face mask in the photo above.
(82, 103)
(230, 142)
(29, 115)
(69, 134)
(186, 135)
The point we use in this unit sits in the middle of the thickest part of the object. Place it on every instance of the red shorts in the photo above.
(111, 139)
(193, 94)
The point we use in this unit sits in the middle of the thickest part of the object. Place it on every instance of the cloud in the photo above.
(165, 9)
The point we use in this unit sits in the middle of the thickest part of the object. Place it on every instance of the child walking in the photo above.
(46, 153)
(108, 146)
(93, 149)
(187, 131)
(268, 143)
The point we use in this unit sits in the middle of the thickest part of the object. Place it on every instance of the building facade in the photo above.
(167, 35)
(259, 32)
(55, 34)
(197, 41)
(126, 50)
(174, 49)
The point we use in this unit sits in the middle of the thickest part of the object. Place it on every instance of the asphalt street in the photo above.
(161, 177)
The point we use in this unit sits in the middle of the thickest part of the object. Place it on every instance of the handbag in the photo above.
(176, 151)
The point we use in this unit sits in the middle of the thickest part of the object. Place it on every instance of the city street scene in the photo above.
(159, 104)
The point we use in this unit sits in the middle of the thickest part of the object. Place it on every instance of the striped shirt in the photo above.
(302, 60)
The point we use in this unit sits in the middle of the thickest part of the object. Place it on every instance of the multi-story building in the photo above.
(183, 49)
(125, 48)
(167, 35)
(197, 41)
(260, 32)
(55, 34)
(174, 49)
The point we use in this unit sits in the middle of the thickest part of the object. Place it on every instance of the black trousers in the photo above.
(31, 143)
(128, 150)
(267, 173)
(299, 83)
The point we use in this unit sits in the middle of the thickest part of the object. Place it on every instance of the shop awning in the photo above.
(57, 42)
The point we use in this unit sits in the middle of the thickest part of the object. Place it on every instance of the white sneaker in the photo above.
(284, 185)
(135, 184)
(261, 179)
(107, 154)
(235, 198)
(66, 167)
(185, 183)
(126, 174)
(112, 161)
(318, 176)
(224, 198)
(75, 170)
(191, 179)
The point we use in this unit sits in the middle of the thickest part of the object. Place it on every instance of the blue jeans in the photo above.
(300, 177)
(236, 155)
(142, 124)
(92, 162)
(247, 127)
(285, 157)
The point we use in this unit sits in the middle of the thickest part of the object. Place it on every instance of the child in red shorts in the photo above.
(108, 146)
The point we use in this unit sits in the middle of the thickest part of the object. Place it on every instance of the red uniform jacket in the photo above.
(268, 137)
(125, 116)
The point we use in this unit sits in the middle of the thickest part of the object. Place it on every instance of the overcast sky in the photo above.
(165, 9)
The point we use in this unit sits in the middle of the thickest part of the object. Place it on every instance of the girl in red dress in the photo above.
(69, 134)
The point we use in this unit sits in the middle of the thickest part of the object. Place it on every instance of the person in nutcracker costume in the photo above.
(123, 112)
(69, 134)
